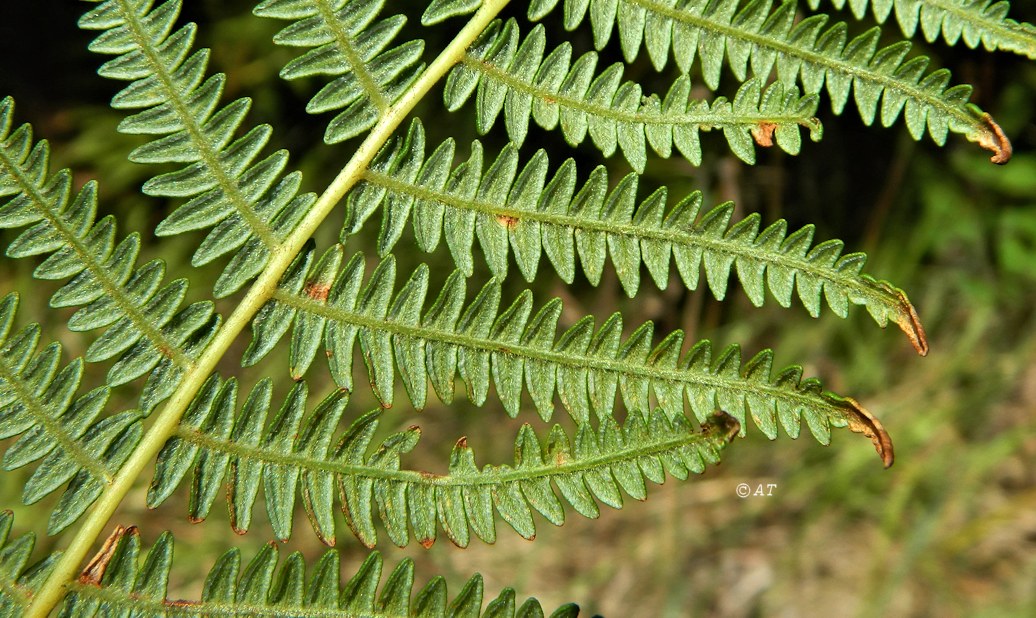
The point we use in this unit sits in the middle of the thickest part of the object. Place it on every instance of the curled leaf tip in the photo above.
(995, 140)
(816, 129)
(94, 571)
(906, 317)
(863, 422)
(910, 323)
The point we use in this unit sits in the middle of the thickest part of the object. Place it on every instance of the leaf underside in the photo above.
(520, 212)
(326, 303)
(973, 22)
(349, 43)
(146, 330)
(75, 447)
(753, 41)
(290, 452)
(250, 205)
(122, 580)
(555, 91)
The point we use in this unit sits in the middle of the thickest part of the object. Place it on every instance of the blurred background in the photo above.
(950, 530)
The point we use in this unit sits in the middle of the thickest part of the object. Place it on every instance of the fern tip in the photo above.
(863, 422)
(911, 325)
(995, 140)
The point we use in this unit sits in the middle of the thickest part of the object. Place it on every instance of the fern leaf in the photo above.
(585, 366)
(441, 10)
(18, 578)
(294, 453)
(250, 205)
(349, 44)
(516, 206)
(805, 51)
(122, 580)
(517, 79)
(975, 22)
(145, 326)
(56, 428)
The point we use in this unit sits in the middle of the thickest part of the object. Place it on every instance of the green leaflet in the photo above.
(520, 212)
(509, 348)
(352, 46)
(804, 51)
(250, 205)
(146, 328)
(441, 10)
(975, 22)
(516, 78)
(122, 579)
(65, 434)
(18, 578)
(298, 453)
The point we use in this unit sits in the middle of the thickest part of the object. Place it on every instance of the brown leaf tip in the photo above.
(996, 141)
(762, 133)
(94, 571)
(427, 543)
(910, 323)
(863, 422)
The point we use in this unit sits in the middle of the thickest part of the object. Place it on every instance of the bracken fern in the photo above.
(643, 403)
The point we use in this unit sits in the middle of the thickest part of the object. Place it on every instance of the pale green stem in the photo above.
(66, 570)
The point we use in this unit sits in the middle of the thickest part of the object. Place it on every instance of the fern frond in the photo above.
(57, 429)
(503, 206)
(145, 326)
(585, 365)
(18, 579)
(553, 90)
(976, 22)
(804, 51)
(351, 46)
(123, 580)
(294, 451)
(250, 205)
